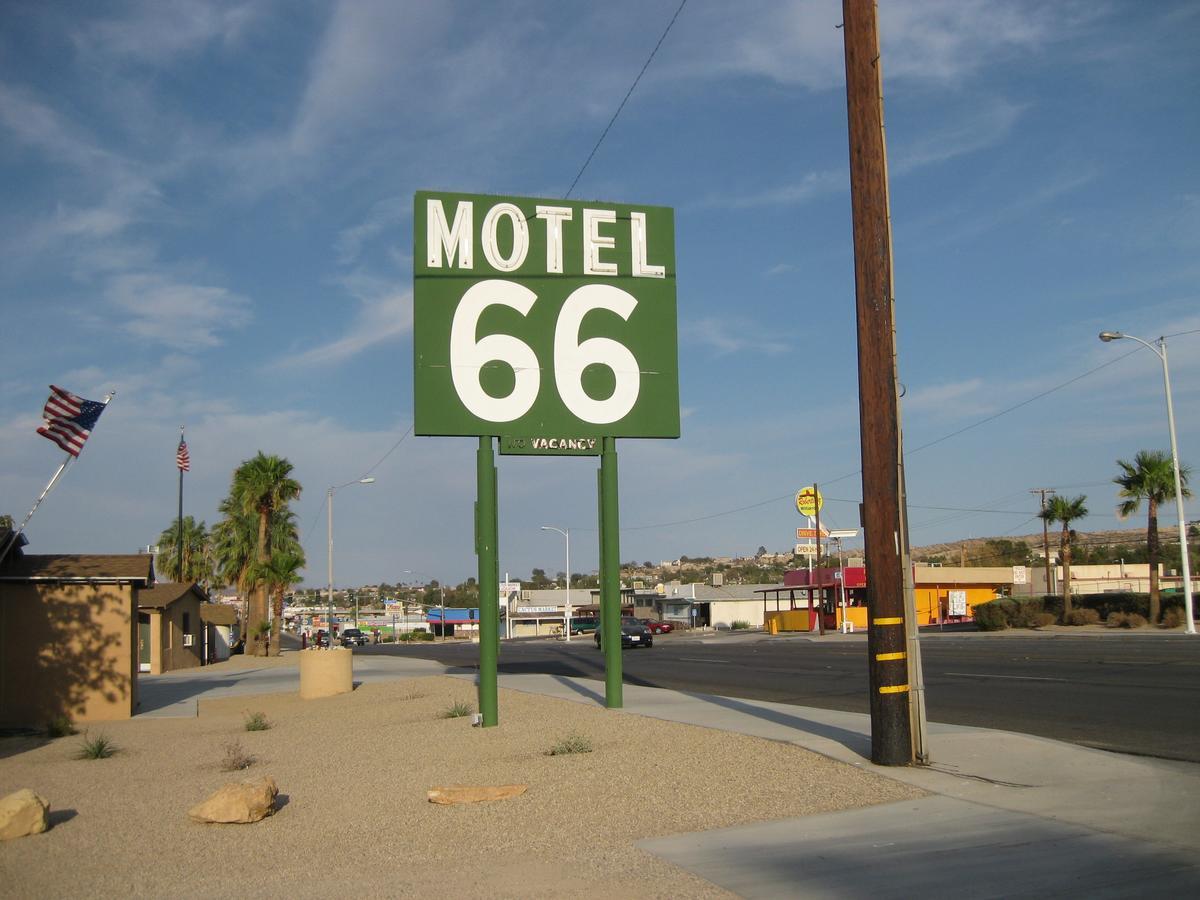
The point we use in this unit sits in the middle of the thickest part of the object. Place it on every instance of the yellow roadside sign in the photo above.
(808, 501)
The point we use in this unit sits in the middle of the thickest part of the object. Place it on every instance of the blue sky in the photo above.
(208, 208)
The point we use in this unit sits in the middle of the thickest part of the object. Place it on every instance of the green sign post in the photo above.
(550, 325)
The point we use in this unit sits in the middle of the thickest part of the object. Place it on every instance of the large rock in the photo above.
(238, 803)
(448, 796)
(23, 813)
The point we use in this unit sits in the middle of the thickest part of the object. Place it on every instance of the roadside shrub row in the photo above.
(1116, 610)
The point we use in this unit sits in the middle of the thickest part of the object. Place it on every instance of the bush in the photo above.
(991, 616)
(572, 743)
(457, 710)
(1172, 618)
(1125, 620)
(422, 635)
(62, 726)
(1082, 616)
(740, 625)
(99, 747)
(1041, 620)
(257, 721)
(1024, 613)
(236, 758)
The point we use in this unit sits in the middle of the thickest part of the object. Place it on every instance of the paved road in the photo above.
(1134, 694)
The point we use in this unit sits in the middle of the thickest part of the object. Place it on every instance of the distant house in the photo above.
(221, 630)
(170, 629)
(68, 636)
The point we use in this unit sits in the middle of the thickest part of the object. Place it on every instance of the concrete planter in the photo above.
(325, 673)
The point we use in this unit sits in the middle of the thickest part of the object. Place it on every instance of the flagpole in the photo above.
(179, 520)
(15, 536)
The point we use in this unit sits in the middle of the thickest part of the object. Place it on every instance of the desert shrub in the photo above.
(98, 747)
(236, 758)
(572, 743)
(60, 726)
(457, 710)
(991, 616)
(1125, 620)
(1024, 613)
(1172, 618)
(257, 721)
(1082, 616)
(740, 625)
(422, 635)
(1041, 620)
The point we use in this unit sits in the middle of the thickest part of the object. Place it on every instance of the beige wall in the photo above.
(167, 650)
(67, 650)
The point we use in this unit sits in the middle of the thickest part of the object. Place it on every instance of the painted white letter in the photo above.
(554, 216)
(439, 235)
(593, 242)
(637, 236)
(520, 244)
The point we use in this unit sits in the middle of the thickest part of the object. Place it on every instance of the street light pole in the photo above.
(329, 531)
(1161, 353)
(566, 533)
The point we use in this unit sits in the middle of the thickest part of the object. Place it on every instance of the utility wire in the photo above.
(926, 446)
(628, 94)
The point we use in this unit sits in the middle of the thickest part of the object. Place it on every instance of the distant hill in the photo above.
(952, 551)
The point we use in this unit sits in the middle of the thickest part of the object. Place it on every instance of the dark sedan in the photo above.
(633, 634)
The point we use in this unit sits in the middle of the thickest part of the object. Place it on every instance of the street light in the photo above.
(565, 532)
(369, 479)
(1161, 353)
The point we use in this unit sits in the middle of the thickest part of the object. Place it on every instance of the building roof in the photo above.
(218, 614)
(78, 567)
(165, 593)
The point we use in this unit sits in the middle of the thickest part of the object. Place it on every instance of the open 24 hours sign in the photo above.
(548, 323)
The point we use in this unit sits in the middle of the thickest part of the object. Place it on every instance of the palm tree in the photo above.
(1150, 477)
(263, 487)
(197, 552)
(1062, 509)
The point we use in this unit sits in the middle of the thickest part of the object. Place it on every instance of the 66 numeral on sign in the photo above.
(468, 356)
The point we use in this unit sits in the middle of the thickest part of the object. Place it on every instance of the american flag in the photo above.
(181, 457)
(69, 420)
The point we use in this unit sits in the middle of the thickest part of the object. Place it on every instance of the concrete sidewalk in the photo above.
(1009, 814)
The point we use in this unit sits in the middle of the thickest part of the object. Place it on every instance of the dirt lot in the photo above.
(353, 817)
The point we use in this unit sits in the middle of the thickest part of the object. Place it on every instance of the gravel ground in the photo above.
(353, 772)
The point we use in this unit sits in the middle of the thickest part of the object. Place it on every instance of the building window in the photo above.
(187, 623)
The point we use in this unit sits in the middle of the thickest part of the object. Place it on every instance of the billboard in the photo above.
(548, 323)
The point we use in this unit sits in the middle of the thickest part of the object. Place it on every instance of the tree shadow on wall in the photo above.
(64, 646)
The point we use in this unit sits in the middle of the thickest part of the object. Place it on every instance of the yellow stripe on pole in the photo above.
(883, 656)
(891, 620)
(894, 689)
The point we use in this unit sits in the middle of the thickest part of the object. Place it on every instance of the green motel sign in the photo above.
(548, 323)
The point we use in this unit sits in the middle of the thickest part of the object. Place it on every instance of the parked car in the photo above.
(354, 637)
(633, 634)
(584, 626)
(657, 627)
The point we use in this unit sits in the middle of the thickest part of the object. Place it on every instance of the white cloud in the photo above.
(174, 313)
(383, 315)
(155, 31)
(968, 133)
(726, 336)
(382, 215)
(936, 397)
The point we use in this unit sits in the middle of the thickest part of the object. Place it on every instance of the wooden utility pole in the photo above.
(891, 732)
(1045, 534)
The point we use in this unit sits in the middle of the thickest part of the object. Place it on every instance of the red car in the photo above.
(658, 627)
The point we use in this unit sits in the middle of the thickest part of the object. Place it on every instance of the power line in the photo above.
(628, 94)
(926, 446)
